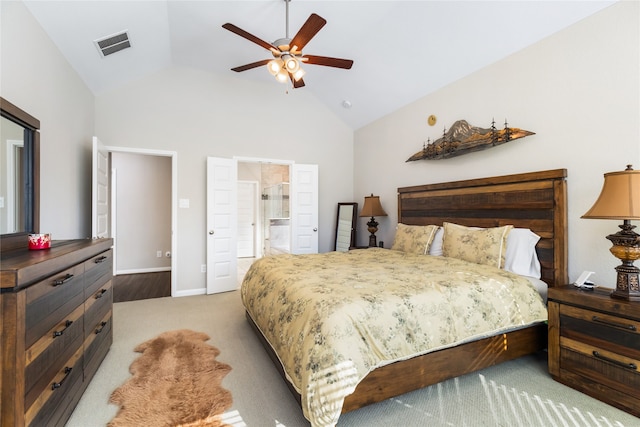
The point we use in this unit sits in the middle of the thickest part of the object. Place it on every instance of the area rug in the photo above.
(175, 382)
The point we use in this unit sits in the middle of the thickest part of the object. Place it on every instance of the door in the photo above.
(221, 225)
(100, 189)
(304, 209)
(247, 202)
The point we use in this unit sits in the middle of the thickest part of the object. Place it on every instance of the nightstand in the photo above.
(594, 345)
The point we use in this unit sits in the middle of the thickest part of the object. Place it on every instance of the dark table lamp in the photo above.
(620, 199)
(372, 208)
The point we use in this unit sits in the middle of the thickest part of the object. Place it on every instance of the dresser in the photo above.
(594, 345)
(56, 317)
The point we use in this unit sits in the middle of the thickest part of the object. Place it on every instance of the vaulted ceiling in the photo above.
(402, 50)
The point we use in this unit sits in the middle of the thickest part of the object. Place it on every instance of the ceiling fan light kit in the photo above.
(287, 53)
(274, 66)
(282, 76)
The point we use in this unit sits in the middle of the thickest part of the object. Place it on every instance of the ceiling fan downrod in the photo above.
(286, 30)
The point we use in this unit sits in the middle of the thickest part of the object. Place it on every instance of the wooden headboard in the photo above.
(536, 200)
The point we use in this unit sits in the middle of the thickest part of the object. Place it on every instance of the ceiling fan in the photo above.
(287, 52)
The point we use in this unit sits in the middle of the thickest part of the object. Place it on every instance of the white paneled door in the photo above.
(100, 191)
(221, 225)
(304, 209)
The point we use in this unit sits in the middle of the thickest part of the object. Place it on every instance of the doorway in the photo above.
(222, 214)
(271, 206)
(154, 265)
(248, 203)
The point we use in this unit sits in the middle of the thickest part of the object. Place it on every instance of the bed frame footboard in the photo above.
(422, 371)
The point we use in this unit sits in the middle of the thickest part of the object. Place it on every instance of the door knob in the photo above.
(211, 232)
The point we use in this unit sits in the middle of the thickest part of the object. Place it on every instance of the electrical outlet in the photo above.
(159, 254)
(203, 268)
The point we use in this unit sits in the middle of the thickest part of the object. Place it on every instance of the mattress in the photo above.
(332, 318)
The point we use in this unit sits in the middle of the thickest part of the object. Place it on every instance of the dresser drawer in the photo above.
(97, 344)
(98, 270)
(96, 306)
(48, 302)
(48, 355)
(55, 403)
(616, 334)
(601, 366)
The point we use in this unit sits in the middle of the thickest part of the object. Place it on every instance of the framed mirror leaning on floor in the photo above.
(345, 237)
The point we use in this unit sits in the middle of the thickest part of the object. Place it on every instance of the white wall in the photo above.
(198, 114)
(143, 212)
(578, 90)
(35, 77)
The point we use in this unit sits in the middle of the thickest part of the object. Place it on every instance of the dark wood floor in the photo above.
(132, 287)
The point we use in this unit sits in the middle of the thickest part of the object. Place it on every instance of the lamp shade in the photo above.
(619, 198)
(372, 207)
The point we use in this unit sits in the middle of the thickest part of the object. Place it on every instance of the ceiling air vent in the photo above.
(113, 43)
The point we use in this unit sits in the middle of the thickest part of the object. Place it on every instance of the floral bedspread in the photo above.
(334, 317)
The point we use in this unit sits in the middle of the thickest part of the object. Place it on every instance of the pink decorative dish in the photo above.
(39, 241)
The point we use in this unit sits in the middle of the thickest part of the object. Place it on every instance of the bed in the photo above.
(328, 381)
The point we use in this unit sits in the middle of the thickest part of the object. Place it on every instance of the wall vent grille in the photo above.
(113, 43)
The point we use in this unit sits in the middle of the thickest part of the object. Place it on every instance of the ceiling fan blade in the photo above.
(250, 66)
(248, 36)
(327, 61)
(296, 84)
(309, 29)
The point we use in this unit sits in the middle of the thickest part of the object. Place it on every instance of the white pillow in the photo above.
(436, 245)
(521, 257)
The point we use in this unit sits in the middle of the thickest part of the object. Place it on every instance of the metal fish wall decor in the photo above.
(462, 138)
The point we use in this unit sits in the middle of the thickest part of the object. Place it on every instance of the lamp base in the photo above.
(626, 247)
(627, 284)
(372, 227)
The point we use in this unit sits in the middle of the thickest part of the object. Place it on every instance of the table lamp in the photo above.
(620, 199)
(372, 208)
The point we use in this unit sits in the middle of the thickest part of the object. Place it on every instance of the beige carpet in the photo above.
(516, 393)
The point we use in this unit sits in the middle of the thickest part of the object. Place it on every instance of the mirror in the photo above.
(19, 175)
(346, 226)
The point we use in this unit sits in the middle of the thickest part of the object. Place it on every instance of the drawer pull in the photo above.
(631, 366)
(614, 324)
(101, 327)
(66, 326)
(100, 259)
(67, 371)
(100, 293)
(62, 281)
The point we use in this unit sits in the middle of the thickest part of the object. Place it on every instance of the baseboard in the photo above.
(190, 292)
(143, 270)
